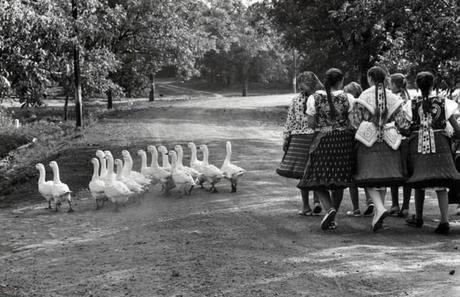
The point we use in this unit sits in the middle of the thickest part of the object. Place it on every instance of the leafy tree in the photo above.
(247, 45)
(428, 40)
(355, 35)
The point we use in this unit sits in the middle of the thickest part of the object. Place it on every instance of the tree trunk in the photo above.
(109, 99)
(363, 67)
(294, 72)
(152, 88)
(245, 86)
(76, 65)
(66, 104)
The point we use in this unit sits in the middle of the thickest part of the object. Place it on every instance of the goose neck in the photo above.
(154, 163)
(206, 156)
(95, 170)
(127, 166)
(180, 157)
(41, 177)
(103, 162)
(165, 160)
(119, 171)
(174, 163)
(193, 154)
(143, 162)
(229, 154)
(56, 177)
(110, 167)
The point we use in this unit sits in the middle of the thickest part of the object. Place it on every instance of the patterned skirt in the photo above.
(435, 170)
(379, 166)
(331, 162)
(296, 157)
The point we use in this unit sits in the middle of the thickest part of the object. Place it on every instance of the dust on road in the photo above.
(246, 244)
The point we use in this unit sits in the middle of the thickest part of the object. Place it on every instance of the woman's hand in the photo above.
(286, 142)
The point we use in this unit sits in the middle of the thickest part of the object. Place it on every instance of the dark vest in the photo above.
(437, 111)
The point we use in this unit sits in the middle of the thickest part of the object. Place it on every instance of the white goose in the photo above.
(108, 174)
(183, 180)
(145, 170)
(44, 187)
(96, 185)
(115, 190)
(130, 173)
(61, 191)
(197, 176)
(194, 162)
(100, 154)
(158, 173)
(230, 171)
(132, 185)
(164, 154)
(212, 173)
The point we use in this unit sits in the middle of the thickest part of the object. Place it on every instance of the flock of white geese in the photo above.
(116, 181)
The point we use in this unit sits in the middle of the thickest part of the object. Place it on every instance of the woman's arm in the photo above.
(453, 122)
(290, 122)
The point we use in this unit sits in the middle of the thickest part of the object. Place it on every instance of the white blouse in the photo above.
(311, 109)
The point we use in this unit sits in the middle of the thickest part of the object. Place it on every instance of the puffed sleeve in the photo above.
(290, 121)
(407, 109)
(311, 109)
(351, 101)
(451, 108)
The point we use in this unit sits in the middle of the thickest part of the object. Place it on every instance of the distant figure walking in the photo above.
(298, 136)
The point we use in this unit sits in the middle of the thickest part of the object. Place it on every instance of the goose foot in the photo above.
(57, 205)
(190, 191)
(70, 207)
(97, 205)
(233, 188)
(213, 190)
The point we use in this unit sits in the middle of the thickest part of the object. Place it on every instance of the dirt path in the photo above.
(246, 244)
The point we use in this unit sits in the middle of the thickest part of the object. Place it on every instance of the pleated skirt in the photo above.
(296, 157)
(331, 162)
(433, 170)
(379, 166)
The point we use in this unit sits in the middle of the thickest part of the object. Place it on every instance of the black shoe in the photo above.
(317, 208)
(328, 218)
(443, 228)
(369, 210)
(414, 222)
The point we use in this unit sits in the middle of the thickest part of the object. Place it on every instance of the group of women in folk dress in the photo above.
(337, 138)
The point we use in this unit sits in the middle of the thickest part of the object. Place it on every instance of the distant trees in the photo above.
(247, 45)
(354, 34)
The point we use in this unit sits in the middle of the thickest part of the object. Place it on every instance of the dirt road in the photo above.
(250, 243)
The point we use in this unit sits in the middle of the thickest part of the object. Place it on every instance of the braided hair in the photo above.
(399, 80)
(333, 77)
(425, 81)
(378, 77)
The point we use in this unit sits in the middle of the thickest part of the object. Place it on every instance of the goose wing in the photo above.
(232, 171)
(60, 190)
(46, 189)
(97, 186)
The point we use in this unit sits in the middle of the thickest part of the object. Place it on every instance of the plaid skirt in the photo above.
(296, 157)
(331, 162)
(435, 170)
